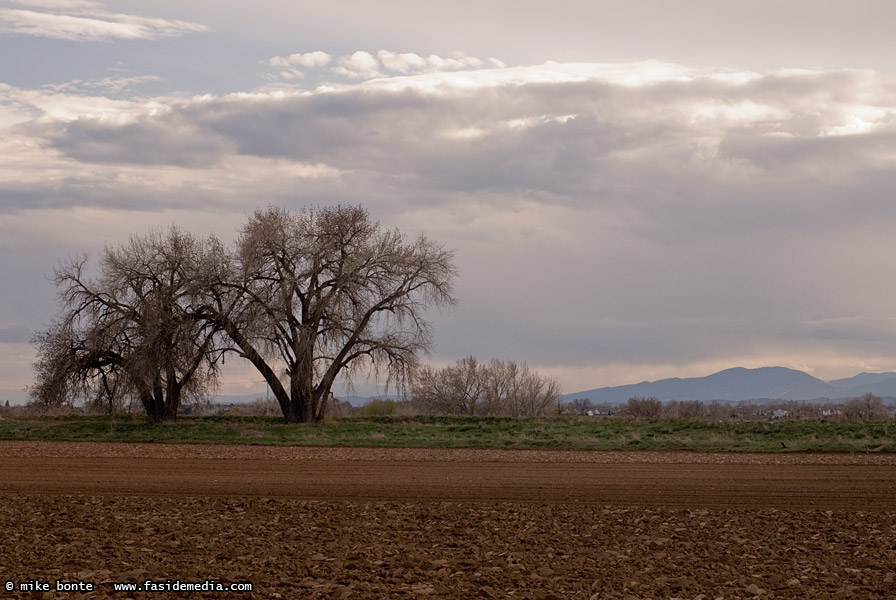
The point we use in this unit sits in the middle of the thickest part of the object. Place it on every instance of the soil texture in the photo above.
(360, 523)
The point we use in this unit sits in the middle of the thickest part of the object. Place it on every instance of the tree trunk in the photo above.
(148, 402)
(150, 396)
(300, 392)
(291, 414)
(252, 355)
(171, 402)
(155, 412)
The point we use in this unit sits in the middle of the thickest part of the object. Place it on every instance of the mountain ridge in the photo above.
(740, 384)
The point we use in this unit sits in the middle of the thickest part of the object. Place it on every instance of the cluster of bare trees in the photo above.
(304, 296)
(470, 387)
(642, 407)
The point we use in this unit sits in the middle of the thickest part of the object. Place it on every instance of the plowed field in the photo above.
(412, 523)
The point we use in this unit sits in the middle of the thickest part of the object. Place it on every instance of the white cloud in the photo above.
(413, 63)
(364, 65)
(360, 65)
(310, 59)
(290, 65)
(58, 4)
(317, 58)
(453, 63)
(88, 22)
(402, 63)
(630, 75)
(107, 85)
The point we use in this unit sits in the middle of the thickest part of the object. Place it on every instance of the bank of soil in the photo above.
(416, 523)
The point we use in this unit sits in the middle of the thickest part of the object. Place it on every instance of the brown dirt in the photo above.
(405, 523)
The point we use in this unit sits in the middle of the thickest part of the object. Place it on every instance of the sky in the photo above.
(634, 189)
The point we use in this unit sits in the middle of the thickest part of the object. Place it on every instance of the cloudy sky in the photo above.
(635, 189)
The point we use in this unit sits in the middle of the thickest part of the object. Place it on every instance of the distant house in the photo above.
(599, 413)
(779, 413)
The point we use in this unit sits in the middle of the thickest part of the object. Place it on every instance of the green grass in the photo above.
(471, 432)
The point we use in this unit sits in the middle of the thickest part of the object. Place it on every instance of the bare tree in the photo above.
(515, 390)
(642, 408)
(456, 389)
(686, 409)
(132, 331)
(313, 294)
(494, 388)
(501, 384)
(868, 407)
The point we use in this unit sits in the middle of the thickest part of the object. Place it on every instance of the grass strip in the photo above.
(574, 433)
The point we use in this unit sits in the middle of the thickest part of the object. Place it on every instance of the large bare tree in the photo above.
(132, 331)
(310, 295)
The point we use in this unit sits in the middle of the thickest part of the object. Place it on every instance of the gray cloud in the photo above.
(831, 154)
(148, 141)
(566, 138)
(627, 215)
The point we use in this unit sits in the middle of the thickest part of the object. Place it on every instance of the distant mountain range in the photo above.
(732, 385)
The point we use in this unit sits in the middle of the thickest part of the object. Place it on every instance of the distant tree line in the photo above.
(868, 407)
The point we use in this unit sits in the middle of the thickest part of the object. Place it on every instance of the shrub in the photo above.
(382, 407)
